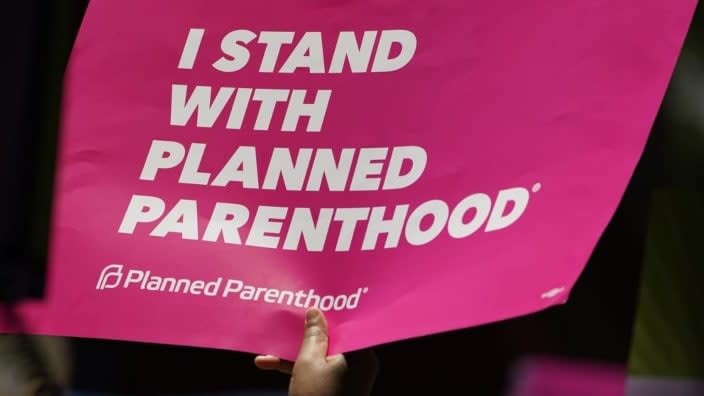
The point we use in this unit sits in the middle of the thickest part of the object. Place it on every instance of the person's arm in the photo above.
(316, 374)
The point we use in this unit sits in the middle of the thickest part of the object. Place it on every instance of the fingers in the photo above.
(337, 359)
(272, 363)
(313, 348)
(267, 362)
(315, 337)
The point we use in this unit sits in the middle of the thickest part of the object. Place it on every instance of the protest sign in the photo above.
(408, 168)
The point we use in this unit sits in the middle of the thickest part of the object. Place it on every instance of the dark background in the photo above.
(595, 325)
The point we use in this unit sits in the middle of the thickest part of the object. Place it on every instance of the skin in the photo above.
(314, 373)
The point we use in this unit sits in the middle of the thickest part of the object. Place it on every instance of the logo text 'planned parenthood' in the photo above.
(116, 276)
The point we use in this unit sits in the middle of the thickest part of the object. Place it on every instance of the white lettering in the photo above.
(182, 219)
(227, 219)
(439, 212)
(142, 209)
(357, 55)
(498, 219)
(190, 49)
(302, 225)
(200, 101)
(308, 54)
(314, 111)
(282, 165)
(237, 54)
(382, 60)
(268, 220)
(368, 165)
(162, 154)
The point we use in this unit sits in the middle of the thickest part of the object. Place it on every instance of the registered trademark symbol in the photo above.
(366, 289)
(536, 187)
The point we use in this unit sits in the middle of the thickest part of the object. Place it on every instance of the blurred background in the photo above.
(634, 322)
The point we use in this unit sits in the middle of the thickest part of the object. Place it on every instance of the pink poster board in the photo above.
(409, 168)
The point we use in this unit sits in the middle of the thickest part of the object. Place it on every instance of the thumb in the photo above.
(315, 337)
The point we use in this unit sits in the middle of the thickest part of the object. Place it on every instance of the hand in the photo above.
(316, 374)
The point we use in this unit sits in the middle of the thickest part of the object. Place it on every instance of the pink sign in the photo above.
(407, 167)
